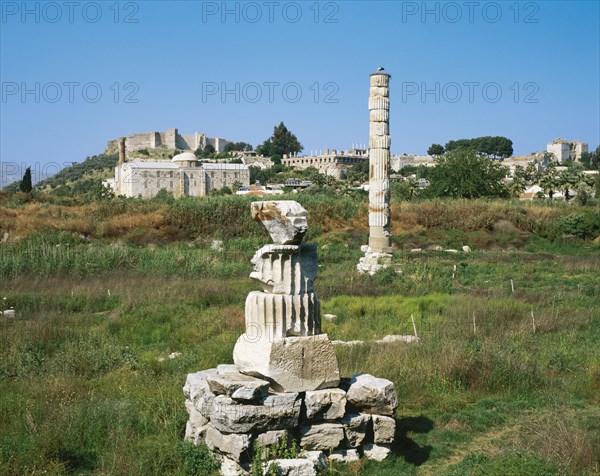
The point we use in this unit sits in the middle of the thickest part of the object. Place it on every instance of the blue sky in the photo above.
(77, 75)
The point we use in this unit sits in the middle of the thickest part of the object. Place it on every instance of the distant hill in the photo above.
(95, 168)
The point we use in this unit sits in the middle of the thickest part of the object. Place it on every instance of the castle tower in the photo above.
(121, 150)
(380, 240)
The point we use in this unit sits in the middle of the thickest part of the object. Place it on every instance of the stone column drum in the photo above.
(380, 240)
(283, 342)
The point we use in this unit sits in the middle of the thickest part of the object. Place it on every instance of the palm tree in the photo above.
(413, 187)
(549, 181)
(567, 180)
(519, 181)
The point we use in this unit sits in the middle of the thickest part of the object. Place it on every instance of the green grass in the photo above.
(87, 386)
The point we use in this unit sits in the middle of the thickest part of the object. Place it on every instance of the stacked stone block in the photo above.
(234, 415)
(285, 382)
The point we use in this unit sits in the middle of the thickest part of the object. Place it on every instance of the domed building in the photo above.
(184, 176)
(185, 159)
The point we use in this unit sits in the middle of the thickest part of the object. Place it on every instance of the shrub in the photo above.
(582, 224)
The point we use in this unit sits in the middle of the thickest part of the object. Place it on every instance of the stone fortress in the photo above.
(331, 162)
(183, 176)
(563, 150)
(170, 139)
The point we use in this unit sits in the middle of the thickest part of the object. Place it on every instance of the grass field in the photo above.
(105, 292)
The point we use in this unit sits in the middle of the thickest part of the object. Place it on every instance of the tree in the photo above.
(26, 185)
(519, 181)
(549, 181)
(571, 178)
(359, 172)
(206, 151)
(413, 187)
(435, 149)
(231, 146)
(281, 142)
(465, 174)
(496, 146)
(591, 160)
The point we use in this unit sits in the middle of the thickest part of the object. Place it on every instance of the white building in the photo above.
(563, 150)
(183, 176)
(330, 162)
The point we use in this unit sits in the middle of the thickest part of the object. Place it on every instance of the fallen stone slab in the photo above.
(224, 369)
(291, 467)
(327, 404)
(384, 429)
(355, 428)
(274, 412)
(238, 386)
(195, 424)
(233, 446)
(196, 385)
(371, 394)
(344, 455)
(348, 343)
(323, 436)
(398, 338)
(376, 452)
(232, 468)
(318, 458)
(270, 438)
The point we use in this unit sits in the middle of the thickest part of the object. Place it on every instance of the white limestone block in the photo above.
(380, 80)
(379, 129)
(285, 220)
(384, 429)
(344, 456)
(399, 338)
(379, 102)
(195, 422)
(376, 452)
(372, 395)
(379, 115)
(238, 386)
(318, 458)
(323, 436)
(196, 385)
(275, 316)
(327, 404)
(293, 364)
(286, 269)
(233, 446)
(275, 412)
(380, 142)
(223, 369)
(355, 428)
(232, 468)
(270, 438)
(379, 91)
(291, 467)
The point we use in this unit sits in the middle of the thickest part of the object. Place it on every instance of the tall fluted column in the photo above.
(380, 240)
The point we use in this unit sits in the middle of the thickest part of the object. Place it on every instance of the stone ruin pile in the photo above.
(285, 383)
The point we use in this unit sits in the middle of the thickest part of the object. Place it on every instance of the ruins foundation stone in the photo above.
(285, 383)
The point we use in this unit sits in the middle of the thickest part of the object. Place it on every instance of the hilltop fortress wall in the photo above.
(170, 139)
